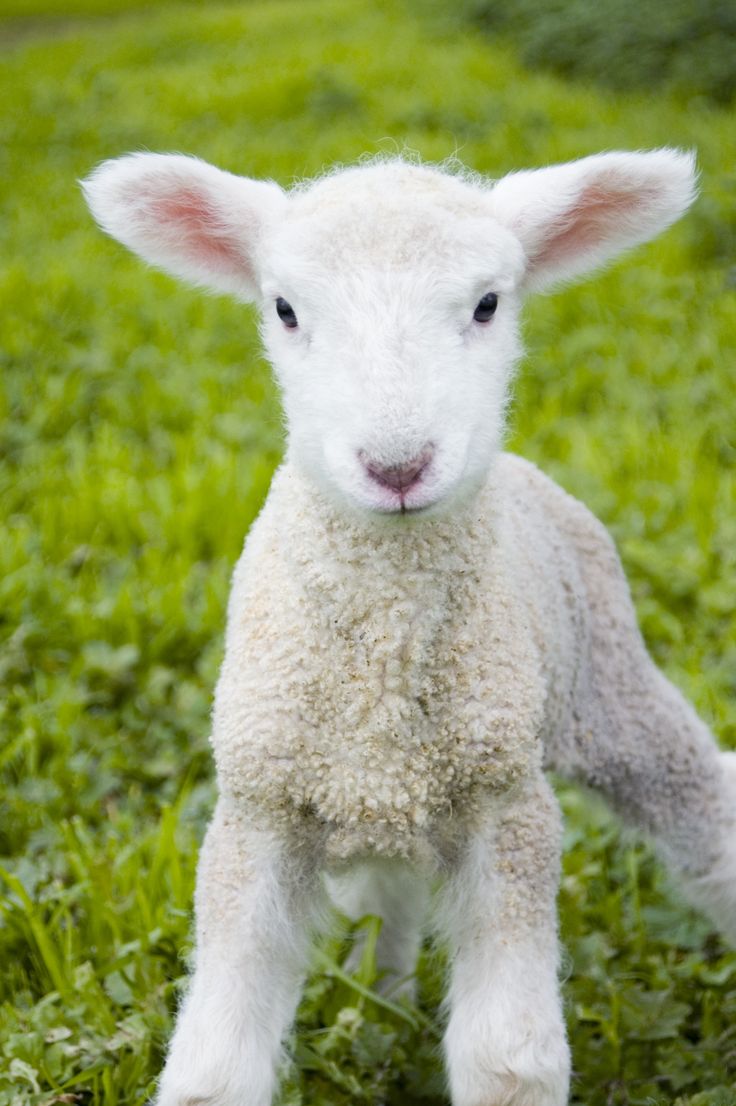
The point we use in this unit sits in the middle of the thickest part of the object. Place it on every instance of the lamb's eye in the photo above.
(486, 307)
(286, 313)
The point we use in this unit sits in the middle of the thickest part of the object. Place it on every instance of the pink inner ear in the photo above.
(591, 220)
(195, 225)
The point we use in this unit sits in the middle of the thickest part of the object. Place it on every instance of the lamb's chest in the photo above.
(399, 790)
(384, 746)
(378, 699)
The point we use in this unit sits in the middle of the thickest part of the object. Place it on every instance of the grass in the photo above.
(138, 432)
(622, 45)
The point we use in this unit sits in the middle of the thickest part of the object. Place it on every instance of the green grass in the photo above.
(620, 45)
(139, 429)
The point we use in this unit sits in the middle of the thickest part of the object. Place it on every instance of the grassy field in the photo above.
(138, 432)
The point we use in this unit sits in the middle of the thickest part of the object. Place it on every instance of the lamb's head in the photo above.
(390, 292)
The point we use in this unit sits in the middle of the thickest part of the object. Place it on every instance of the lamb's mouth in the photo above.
(420, 508)
(401, 508)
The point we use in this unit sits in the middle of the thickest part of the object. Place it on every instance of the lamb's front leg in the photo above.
(254, 902)
(505, 1042)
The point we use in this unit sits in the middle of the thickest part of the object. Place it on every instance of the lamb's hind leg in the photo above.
(639, 742)
(662, 771)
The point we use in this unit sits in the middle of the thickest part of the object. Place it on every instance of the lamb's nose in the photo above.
(399, 477)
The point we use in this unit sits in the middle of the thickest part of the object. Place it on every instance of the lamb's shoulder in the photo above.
(564, 542)
(267, 645)
(552, 509)
(578, 600)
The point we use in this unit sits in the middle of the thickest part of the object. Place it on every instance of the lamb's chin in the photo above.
(394, 504)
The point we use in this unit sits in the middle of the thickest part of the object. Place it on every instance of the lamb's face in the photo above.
(389, 292)
(390, 299)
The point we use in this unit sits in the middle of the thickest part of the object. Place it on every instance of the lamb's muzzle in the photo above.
(401, 478)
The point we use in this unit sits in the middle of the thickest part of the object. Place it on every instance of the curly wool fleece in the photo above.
(377, 684)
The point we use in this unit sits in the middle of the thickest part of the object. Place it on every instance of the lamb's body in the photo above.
(419, 624)
(380, 689)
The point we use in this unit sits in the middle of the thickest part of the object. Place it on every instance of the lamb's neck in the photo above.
(334, 548)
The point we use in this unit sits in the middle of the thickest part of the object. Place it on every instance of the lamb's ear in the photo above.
(573, 217)
(187, 217)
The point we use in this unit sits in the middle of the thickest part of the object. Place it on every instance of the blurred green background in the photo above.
(138, 432)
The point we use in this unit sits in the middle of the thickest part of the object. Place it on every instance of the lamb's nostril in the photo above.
(399, 477)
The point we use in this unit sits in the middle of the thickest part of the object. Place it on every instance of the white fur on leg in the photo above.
(218, 1056)
(505, 1042)
(714, 891)
(253, 913)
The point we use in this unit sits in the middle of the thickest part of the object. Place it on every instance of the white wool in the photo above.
(370, 643)
(419, 624)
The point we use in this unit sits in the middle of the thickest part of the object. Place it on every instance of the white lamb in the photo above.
(419, 623)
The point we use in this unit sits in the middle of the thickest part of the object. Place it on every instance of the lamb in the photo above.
(420, 624)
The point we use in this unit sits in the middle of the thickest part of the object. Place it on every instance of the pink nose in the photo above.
(400, 478)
